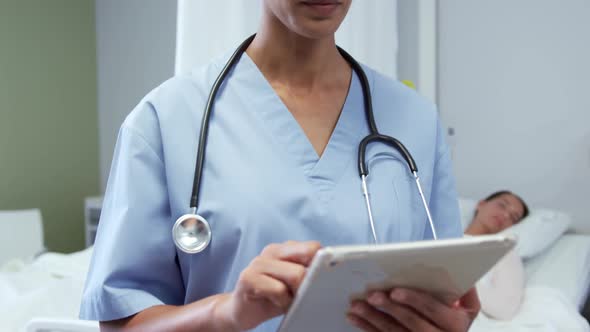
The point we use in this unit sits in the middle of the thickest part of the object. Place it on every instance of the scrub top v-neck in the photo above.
(321, 171)
(262, 183)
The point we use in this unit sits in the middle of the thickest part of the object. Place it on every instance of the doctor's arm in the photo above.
(264, 290)
(199, 316)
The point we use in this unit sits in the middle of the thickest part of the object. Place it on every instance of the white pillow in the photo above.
(535, 233)
(21, 234)
(467, 210)
(539, 231)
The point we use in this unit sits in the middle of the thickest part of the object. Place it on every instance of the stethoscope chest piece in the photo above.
(191, 233)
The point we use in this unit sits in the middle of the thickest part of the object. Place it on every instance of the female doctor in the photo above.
(279, 180)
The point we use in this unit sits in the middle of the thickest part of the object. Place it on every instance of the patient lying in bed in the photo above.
(502, 288)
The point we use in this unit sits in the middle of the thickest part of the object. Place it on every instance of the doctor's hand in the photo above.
(266, 287)
(409, 310)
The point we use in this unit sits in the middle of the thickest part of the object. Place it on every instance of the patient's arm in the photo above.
(502, 288)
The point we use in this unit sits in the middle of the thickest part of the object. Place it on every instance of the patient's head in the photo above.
(497, 212)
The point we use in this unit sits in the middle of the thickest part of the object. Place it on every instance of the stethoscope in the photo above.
(192, 233)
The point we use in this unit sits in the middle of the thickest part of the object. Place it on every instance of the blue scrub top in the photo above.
(262, 183)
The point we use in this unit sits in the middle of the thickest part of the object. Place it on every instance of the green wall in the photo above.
(48, 113)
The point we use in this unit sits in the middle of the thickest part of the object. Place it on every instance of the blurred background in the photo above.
(511, 79)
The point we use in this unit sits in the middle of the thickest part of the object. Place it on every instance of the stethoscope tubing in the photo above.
(373, 137)
(194, 203)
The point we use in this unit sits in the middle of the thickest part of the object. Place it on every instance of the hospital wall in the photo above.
(407, 57)
(48, 132)
(135, 53)
(514, 82)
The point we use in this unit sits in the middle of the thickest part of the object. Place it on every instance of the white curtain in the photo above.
(369, 34)
(209, 28)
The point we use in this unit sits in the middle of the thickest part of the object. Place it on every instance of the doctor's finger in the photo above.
(376, 319)
(296, 252)
(428, 306)
(360, 323)
(470, 303)
(409, 318)
(289, 273)
(259, 286)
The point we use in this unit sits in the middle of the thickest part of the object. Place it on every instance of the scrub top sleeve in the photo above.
(134, 261)
(444, 204)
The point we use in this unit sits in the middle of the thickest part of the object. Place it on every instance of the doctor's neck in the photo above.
(298, 58)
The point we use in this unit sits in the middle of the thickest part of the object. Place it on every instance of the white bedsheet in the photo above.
(544, 309)
(557, 285)
(566, 267)
(51, 286)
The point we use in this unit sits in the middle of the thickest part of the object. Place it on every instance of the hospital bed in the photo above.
(43, 294)
(566, 267)
(557, 285)
(557, 274)
(39, 291)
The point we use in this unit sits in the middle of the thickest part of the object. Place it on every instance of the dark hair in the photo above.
(507, 192)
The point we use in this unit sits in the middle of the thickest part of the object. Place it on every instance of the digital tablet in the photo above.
(337, 275)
